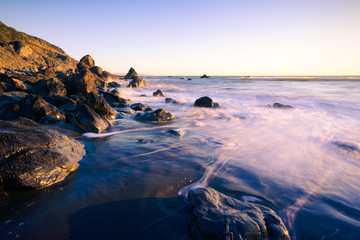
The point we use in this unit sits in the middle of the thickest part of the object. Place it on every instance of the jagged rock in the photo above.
(100, 105)
(82, 83)
(114, 85)
(217, 216)
(148, 109)
(206, 102)
(50, 87)
(158, 93)
(35, 156)
(138, 107)
(13, 96)
(59, 100)
(86, 118)
(97, 70)
(101, 83)
(47, 73)
(109, 76)
(204, 76)
(159, 115)
(10, 83)
(282, 106)
(131, 74)
(115, 100)
(86, 62)
(137, 82)
(32, 107)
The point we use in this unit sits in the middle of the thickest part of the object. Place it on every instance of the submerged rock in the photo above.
(206, 102)
(86, 118)
(159, 115)
(35, 156)
(204, 76)
(100, 105)
(32, 107)
(131, 74)
(279, 105)
(178, 133)
(217, 216)
(137, 82)
(158, 93)
(171, 100)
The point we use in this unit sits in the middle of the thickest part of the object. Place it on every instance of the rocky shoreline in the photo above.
(84, 96)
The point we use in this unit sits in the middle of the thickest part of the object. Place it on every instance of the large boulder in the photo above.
(115, 100)
(86, 62)
(217, 216)
(131, 74)
(35, 156)
(137, 82)
(86, 118)
(159, 115)
(82, 83)
(59, 100)
(50, 87)
(100, 105)
(206, 102)
(32, 107)
(96, 70)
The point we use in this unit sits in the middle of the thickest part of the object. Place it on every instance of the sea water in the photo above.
(304, 162)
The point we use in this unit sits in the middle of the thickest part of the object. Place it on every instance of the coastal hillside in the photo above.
(23, 52)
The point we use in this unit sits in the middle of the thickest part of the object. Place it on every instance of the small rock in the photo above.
(159, 115)
(158, 93)
(204, 102)
(137, 82)
(204, 76)
(178, 133)
(138, 107)
(171, 100)
(282, 106)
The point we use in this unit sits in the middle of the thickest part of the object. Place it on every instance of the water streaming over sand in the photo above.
(304, 162)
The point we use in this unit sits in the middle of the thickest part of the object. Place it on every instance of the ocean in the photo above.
(304, 163)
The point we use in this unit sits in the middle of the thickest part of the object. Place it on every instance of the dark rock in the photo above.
(46, 73)
(159, 115)
(86, 62)
(109, 76)
(32, 107)
(86, 118)
(217, 216)
(35, 156)
(82, 83)
(78, 98)
(145, 141)
(6, 87)
(171, 100)
(13, 84)
(189, 79)
(148, 109)
(59, 100)
(216, 105)
(131, 74)
(127, 110)
(137, 82)
(97, 70)
(204, 102)
(115, 100)
(14, 96)
(100, 105)
(50, 87)
(178, 133)
(138, 107)
(282, 106)
(114, 85)
(204, 76)
(158, 93)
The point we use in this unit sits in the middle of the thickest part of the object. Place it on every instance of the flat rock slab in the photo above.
(217, 216)
(35, 156)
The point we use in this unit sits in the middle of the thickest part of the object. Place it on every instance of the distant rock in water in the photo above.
(32, 107)
(158, 93)
(206, 102)
(131, 74)
(204, 76)
(159, 115)
(35, 156)
(138, 107)
(217, 216)
(86, 118)
(86, 62)
(171, 100)
(178, 133)
(282, 106)
(137, 82)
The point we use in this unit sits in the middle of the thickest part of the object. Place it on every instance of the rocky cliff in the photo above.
(23, 52)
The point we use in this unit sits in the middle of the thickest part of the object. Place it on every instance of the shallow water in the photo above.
(304, 163)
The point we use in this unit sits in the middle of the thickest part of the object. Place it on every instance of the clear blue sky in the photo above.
(242, 37)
